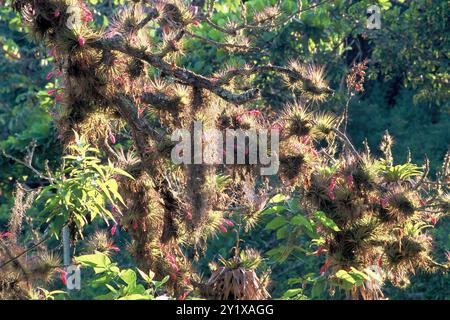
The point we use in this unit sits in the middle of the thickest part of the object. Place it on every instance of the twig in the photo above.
(28, 165)
(24, 252)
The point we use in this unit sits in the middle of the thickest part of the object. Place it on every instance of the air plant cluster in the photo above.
(122, 80)
(383, 212)
(22, 274)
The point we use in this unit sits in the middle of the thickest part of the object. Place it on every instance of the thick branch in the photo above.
(129, 112)
(159, 100)
(116, 43)
(270, 68)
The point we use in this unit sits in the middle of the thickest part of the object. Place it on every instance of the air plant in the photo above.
(236, 278)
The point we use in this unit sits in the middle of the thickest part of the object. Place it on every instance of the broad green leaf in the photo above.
(301, 220)
(278, 198)
(97, 260)
(276, 223)
(274, 209)
(327, 222)
(291, 293)
(348, 280)
(128, 276)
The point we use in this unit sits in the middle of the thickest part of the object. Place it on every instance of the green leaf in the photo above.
(105, 191)
(278, 198)
(282, 233)
(136, 297)
(276, 223)
(291, 293)
(327, 222)
(318, 288)
(114, 188)
(347, 279)
(147, 277)
(159, 284)
(274, 209)
(301, 220)
(123, 173)
(128, 276)
(97, 260)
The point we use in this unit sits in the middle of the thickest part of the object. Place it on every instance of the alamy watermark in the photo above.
(374, 19)
(73, 277)
(75, 17)
(214, 147)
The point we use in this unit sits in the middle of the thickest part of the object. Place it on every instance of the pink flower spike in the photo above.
(184, 295)
(114, 229)
(52, 52)
(173, 263)
(319, 251)
(324, 268)
(331, 188)
(189, 215)
(50, 75)
(228, 222)
(254, 112)
(52, 92)
(57, 13)
(114, 248)
(63, 276)
(223, 229)
(87, 14)
(81, 41)
(433, 220)
(112, 137)
(6, 235)
(58, 74)
(140, 111)
(118, 61)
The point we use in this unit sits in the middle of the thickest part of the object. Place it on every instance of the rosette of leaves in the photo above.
(236, 278)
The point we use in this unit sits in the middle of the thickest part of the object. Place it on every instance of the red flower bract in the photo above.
(50, 75)
(331, 188)
(63, 276)
(114, 229)
(433, 220)
(112, 137)
(228, 222)
(172, 262)
(81, 41)
(6, 235)
(223, 229)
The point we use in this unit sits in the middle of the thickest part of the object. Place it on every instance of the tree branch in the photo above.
(116, 43)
